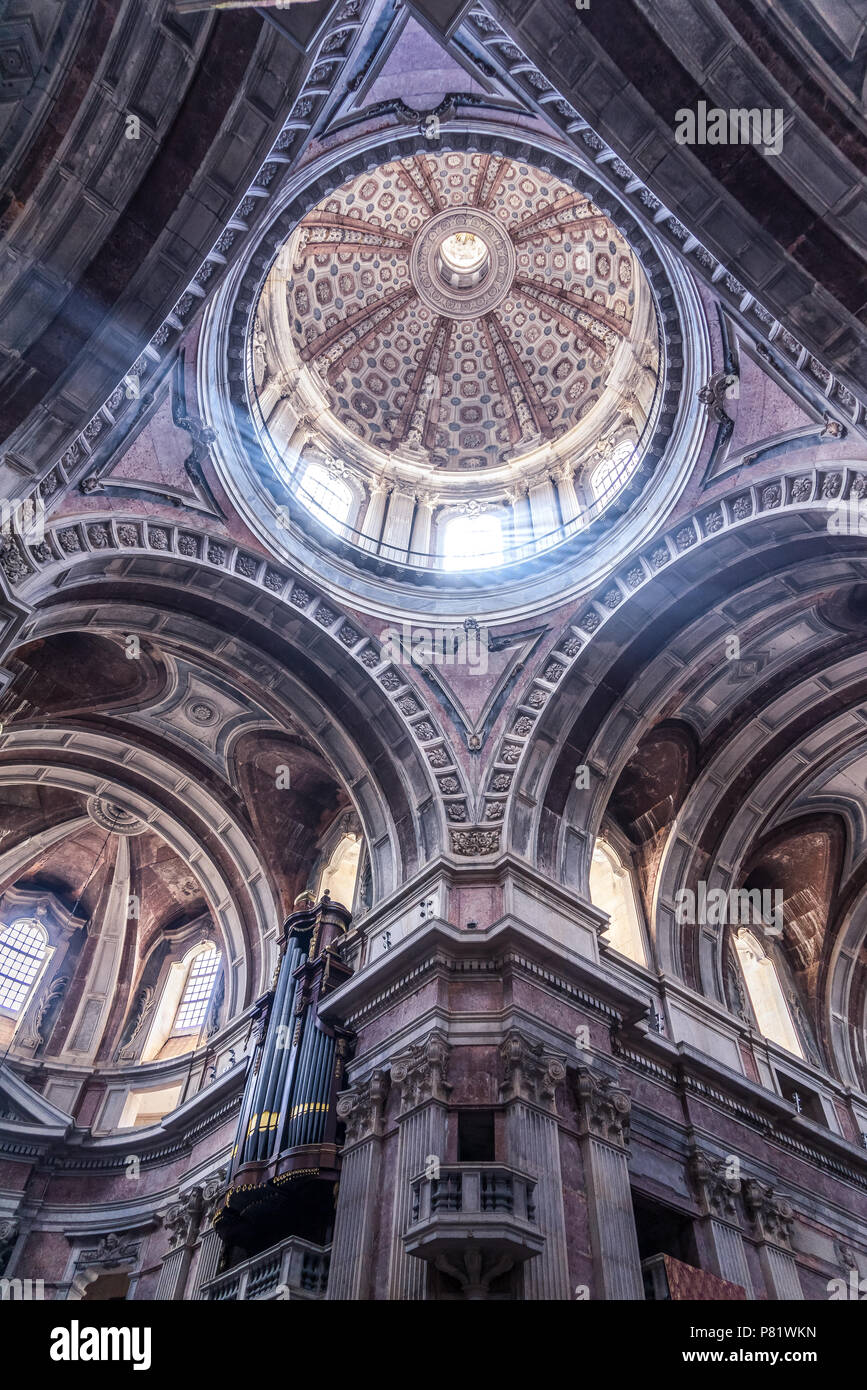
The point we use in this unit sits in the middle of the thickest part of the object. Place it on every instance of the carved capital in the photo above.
(361, 1107)
(181, 1218)
(716, 1190)
(212, 1190)
(529, 1072)
(603, 1107)
(420, 1072)
(774, 1216)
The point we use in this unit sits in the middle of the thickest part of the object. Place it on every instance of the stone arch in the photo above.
(530, 772)
(102, 558)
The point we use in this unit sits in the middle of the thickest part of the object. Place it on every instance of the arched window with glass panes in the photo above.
(23, 946)
(613, 471)
(328, 495)
(198, 990)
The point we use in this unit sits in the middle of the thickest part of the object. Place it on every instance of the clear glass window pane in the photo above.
(197, 995)
(22, 948)
(330, 498)
(613, 472)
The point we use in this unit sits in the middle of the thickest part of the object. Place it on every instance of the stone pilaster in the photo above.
(361, 1108)
(422, 525)
(173, 1275)
(603, 1112)
(543, 507)
(717, 1193)
(530, 1077)
(570, 504)
(210, 1254)
(419, 1074)
(371, 526)
(773, 1218)
(183, 1219)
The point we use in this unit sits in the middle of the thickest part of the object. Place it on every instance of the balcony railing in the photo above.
(486, 1205)
(293, 1269)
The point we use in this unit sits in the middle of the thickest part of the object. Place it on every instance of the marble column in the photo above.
(420, 542)
(522, 526)
(570, 503)
(543, 509)
(603, 1113)
(398, 524)
(773, 1218)
(361, 1108)
(720, 1224)
(371, 526)
(419, 1074)
(528, 1089)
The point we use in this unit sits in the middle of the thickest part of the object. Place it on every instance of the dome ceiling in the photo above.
(458, 311)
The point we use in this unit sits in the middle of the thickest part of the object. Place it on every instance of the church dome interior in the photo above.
(433, 606)
(441, 317)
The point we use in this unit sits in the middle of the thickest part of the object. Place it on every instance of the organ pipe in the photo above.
(288, 1119)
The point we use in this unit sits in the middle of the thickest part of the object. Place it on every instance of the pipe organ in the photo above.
(284, 1164)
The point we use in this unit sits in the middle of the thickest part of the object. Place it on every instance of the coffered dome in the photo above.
(463, 322)
(464, 305)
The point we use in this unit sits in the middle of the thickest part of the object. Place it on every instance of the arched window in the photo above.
(197, 991)
(613, 471)
(472, 542)
(330, 497)
(22, 951)
(766, 993)
(341, 871)
(612, 889)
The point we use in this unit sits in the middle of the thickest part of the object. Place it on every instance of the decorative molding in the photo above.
(713, 396)
(113, 818)
(111, 1252)
(475, 843)
(482, 298)
(193, 1210)
(842, 1252)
